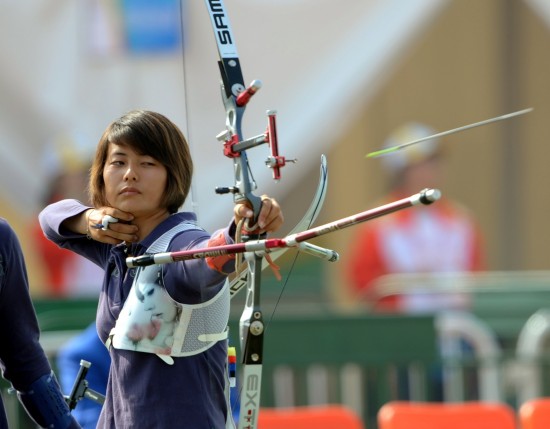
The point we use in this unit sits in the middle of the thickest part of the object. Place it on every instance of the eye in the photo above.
(116, 161)
(149, 162)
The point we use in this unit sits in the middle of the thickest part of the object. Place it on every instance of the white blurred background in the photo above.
(340, 74)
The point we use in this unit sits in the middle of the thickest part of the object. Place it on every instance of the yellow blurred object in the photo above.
(396, 161)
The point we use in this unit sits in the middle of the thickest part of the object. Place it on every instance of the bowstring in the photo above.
(193, 193)
(292, 265)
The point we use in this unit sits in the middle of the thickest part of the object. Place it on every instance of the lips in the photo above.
(129, 191)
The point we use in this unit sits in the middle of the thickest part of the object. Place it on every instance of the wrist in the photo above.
(87, 220)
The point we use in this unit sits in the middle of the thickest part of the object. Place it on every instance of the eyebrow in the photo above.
(122, 152)
(118, 152)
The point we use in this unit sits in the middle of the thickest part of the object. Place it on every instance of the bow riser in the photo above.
(251, 324)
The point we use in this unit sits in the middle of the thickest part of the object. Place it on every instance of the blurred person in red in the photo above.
(69, 275)
(440, 238)
(66, 274)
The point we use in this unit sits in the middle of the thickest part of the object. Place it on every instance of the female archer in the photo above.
(165, 326)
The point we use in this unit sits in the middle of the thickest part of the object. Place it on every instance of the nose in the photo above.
(130, 174)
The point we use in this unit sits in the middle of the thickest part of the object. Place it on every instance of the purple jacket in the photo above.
(142, 390)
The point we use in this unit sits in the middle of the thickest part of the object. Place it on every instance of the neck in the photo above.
(147, 223)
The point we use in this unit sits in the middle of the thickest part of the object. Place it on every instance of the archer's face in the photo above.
(134, 183)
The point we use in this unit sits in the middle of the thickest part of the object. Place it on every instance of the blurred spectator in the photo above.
(442, 237)
(67, 274)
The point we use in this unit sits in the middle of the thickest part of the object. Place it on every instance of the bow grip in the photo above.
(255, 204)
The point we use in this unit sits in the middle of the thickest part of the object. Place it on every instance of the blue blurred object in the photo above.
(87, 346)
(152, 27)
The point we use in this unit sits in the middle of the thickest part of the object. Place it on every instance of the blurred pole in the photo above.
(510, 202)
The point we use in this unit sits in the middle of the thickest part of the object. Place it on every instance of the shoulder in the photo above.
(184, 221)
(177, 231)
(187, 235)
(5, 228)
(454, 209)
(8, 238)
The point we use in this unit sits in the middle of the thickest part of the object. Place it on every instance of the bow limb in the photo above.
(239, 280)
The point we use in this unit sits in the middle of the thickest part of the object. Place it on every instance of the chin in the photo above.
(130, 208)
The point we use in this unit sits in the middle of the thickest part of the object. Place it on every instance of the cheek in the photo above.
(108, 181)
(162, 186)
(106, 175)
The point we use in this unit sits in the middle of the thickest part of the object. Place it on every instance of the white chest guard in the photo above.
(152, 322)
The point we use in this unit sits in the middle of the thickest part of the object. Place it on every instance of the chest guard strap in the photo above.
(152, 322)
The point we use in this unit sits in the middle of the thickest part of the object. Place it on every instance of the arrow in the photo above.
(446, 133)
